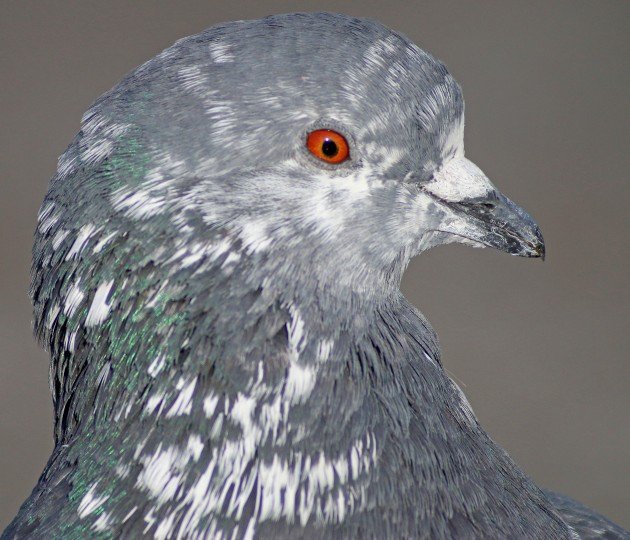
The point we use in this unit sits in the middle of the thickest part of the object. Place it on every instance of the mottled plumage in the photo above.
(231, 356)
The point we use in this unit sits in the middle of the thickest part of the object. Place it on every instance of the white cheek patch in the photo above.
(459, 179)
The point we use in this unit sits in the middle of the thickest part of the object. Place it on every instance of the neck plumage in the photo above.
(141, 318)
(216, 399)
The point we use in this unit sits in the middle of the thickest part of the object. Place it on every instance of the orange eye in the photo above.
(328, 145)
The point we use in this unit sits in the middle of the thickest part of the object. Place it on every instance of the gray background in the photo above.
(541, 350)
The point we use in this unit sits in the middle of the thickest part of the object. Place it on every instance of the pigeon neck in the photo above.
(157, 341)
(240, 381)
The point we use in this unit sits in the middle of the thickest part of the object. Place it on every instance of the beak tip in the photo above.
(539, 247)
(529, 249)
(535, 247)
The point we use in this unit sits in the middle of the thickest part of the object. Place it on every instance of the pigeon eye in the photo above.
(328, 145)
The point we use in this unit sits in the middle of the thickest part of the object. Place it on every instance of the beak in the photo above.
(478, 212)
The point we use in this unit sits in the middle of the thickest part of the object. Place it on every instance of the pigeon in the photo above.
(216, 276)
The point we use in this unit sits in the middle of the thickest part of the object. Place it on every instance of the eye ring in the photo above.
(328, 145)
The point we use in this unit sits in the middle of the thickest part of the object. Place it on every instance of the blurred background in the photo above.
(540, 349)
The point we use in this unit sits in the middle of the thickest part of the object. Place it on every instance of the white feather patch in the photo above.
(91, 501)
(99, 310)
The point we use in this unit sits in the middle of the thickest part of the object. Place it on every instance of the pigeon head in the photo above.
(207, 140)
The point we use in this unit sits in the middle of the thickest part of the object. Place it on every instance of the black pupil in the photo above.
(329, 148)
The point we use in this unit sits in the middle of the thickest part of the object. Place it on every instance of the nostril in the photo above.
(488, 205)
